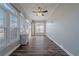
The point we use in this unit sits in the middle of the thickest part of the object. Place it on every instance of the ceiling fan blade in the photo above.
(45, 11)
(35, 11)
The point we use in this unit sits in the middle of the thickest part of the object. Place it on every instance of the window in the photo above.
(13, 27)
(9, 26)
(2, 33)
(39, 28)
(22, 26)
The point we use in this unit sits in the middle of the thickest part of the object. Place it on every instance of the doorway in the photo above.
(38, 28)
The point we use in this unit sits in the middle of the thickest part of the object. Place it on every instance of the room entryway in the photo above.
(38, 28)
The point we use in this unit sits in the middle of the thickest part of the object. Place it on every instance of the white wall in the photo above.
(65, 30)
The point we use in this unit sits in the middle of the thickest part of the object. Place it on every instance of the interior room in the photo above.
(39, 29)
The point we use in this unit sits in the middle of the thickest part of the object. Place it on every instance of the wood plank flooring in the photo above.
(39, 46)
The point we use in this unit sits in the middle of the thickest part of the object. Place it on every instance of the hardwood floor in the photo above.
(39, 46)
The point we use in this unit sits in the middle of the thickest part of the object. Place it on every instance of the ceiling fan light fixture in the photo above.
(39, 14)
(42, 14)
(40, 11)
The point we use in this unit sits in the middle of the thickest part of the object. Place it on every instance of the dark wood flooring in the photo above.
(39, 46)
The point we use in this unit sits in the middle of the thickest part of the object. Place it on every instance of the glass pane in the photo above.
(1, 24)
(1, 17)
(13, 21)
(2, 40)
(1, 33)
(13, 27)
(39, 28)
(22, 26)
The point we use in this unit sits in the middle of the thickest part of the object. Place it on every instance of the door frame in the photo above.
(33, 27)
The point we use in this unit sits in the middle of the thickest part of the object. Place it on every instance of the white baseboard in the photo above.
(70, 54)
(12, 50)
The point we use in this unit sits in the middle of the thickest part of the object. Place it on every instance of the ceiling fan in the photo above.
(40, 11)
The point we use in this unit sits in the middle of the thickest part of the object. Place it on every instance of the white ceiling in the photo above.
(56, 11)
(27, 9)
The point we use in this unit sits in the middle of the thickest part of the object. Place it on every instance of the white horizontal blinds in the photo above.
(1, 17)
(2, 28)
(8, 26)
(22, 25)
(13, 27)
